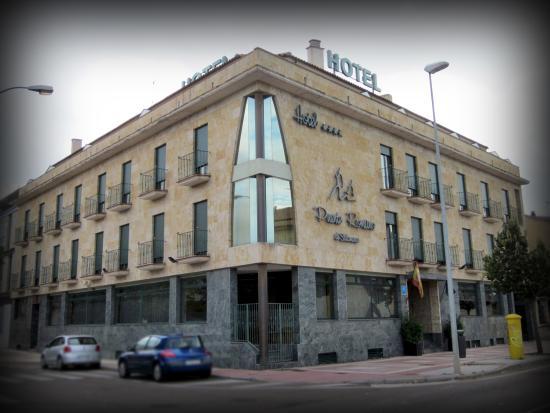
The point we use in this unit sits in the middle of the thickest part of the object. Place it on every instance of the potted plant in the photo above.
(411, 332)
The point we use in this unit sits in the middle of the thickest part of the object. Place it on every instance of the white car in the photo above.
(71, 350)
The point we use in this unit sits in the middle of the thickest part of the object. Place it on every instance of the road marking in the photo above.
(60, 376)
(95, 374)
(215, 382)
(34, 378)
(9, 380)
(254, 385)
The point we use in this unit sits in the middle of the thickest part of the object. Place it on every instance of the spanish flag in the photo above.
(417, 281)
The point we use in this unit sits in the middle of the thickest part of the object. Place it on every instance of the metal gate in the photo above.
(280, 329)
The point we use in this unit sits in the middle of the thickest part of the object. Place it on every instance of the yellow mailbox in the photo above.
(515, 340)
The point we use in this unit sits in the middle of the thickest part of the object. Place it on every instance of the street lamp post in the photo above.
(40, 89)
(431, 69)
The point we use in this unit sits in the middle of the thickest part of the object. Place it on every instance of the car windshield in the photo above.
(83, 341)
(183, 342)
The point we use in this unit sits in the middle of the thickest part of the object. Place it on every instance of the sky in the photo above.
(109, 61)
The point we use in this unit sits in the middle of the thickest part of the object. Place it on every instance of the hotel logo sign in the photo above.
(338, 188)
(352, 70)
(310, 120)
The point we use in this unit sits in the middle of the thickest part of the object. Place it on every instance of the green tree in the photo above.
(511, 268)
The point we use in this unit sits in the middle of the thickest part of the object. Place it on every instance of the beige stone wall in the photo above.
(313, 155)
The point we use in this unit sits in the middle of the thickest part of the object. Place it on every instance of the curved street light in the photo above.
(40, 89)
(431, 69)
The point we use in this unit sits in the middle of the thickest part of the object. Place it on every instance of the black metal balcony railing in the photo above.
(52, 223)
(419, 187)
(151, 252)
(69, 215)
(424, 251)
(394, 179)
(192, 243)
(449, 198)
(67, 270)
(116, 260)
(92, 266)
(120, 194)
(35, 231)
(473, 259)
(28, 278)
(94, 205)
(512, 215)
(153, 180)
(21, 235)
(400, 249)
(440, 251)
(194, 163)
(34, 280)
(468, 202)
(47, 275)
(492, 209)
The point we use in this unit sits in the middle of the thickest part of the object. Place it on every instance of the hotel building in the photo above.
(269, 205)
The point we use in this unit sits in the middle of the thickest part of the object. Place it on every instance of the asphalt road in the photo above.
(24, 387)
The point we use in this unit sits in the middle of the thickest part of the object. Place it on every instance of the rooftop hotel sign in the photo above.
(352, 70)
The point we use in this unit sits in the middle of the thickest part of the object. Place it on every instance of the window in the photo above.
(493, 301)
(77, 202)
(41, 212)
(55, 264)
(490, 243)
(469, 299)
(158, 238)
(86, 308)
(386, 164)
(412, 174)
(101, 185)
(123, 242)
(200, 222)
(506, 203)
(392, 236)
(74, 258)
(325, 296)
(160, 167)
(22, 280)
(247, 140)
(126, 182)
(418, 244)
(153, 342)
(141, 344)
(193, 299)
(58, 210)
(37, 266)
(467, 240)
(434, 178)
(26, 225)
(439, 242)
(98, 260)
(142, 303)
(53, 310)
(279, 211)
(371, 297)
(461, 184)
(485, 198)
(201, 150)
(245, 211)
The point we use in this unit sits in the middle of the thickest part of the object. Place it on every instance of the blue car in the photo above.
(162, 356)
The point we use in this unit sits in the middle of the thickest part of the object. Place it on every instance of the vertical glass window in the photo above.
(126, 182)
(37, 266)
(411, 173)
(142, 303)
(158, 238)
(439, 242)
(485, 198)
(77, 202)
(435, 180)
(201, 150)
(392, 235)
(74, 258)
(490, 243)
(124, 242)
(160, 167)
(98, 262)
(325, 296)
(418, 246)
(247, 141)
(26, 227)
(371, 297)
(193, 299)
(55, 262)
(53, 310)
(469, 299)
(23, 269)
(506, 203)
(41, 212)
(461, 184)
(493, 301)
(245, 212)
(86, 308)
(200, 239)
(101, 184)
(273, 139)
(467, 240)
(386, 164)
(279, 211)
(58, 210)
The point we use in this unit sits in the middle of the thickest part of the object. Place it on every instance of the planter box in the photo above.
(413, 349)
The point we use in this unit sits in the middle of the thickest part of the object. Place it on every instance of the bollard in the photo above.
(515, 340)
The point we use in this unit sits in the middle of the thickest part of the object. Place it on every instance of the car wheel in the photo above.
(96, 365)
(158, 374)
(123, 372)
(43, 363)
(59, 364)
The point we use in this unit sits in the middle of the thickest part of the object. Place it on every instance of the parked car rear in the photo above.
(163, 356)
(71, 350)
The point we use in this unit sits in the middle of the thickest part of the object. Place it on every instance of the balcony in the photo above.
(49, 276)
(67, 273)
(425, 253)
(35, 231)
(441, 261)
(94, 209)
(153, 184)
(52, 225)
(394, 183)
(119, 197)
(400, 252)
(193, 169)
(117, 263)
(21, 236)
(151, 255)
(33, 281)
(449, 199)
(468, 204)
(473, 261)
(492, 211)
(69, 218)
(193, 247)
(91, 268)
(420, 190)
(512, 216)
(15, 282)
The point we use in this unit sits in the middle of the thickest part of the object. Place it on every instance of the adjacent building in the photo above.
(271, 206)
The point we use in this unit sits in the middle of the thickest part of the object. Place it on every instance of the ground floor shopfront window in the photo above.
(469, 299)
(193, 293)
(146, 303)
(493, 301)
(371, 297)
(86, 308)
